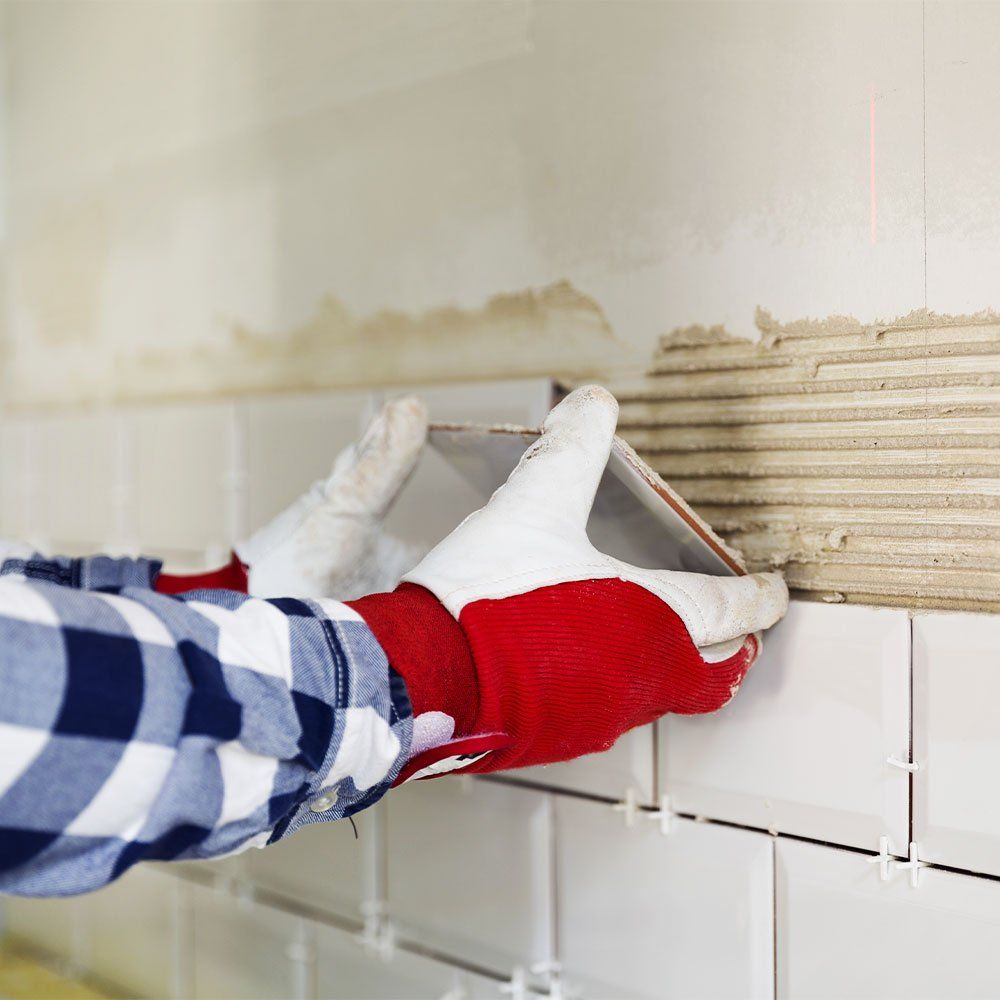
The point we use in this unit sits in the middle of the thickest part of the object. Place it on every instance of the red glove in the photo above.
(521, 644)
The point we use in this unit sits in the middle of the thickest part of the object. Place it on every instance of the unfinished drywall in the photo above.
(219, 197)
(864, 460)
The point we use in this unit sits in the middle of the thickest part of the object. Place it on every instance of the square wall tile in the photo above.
(804, 746)
(956, 733)
(470, 870)
(78, 478)
(241, 948)
(322, 865)
(345, 970)
(842, 932)
(184, 464)
(131, 934)
(629, 764)
(20, 464)
(641, 913)
(291, 441)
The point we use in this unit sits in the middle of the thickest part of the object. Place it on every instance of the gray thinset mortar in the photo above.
(863, 460)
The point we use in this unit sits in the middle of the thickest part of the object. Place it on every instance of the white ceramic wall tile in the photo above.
(322, 865)
(841, 932)
(470, 870)
(345, 970)
(803, 748)
(291, 441)
(629, 764)
(643, 914)
(77, 465)
(19, 462)
(184, 473)
(437, 498)
(242, 949)
(130, 932)
(956, 731)
(51, 925)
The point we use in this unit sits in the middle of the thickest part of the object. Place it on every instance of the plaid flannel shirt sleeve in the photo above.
(140, 726)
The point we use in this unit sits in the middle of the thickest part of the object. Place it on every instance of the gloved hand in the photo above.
(330, 542)
(521, 644)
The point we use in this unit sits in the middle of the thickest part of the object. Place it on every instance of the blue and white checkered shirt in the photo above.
(136, 725)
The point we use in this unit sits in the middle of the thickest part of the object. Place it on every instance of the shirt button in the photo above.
(325, 802)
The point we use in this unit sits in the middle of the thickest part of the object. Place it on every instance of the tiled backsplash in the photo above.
(731, 855)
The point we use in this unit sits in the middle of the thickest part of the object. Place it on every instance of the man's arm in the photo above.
(136, 725)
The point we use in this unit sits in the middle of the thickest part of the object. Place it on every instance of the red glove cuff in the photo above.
(232, 576)
(428, 648)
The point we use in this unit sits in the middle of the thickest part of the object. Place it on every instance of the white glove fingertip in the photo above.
(367, 477)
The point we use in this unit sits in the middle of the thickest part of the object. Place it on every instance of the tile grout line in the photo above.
(731, 824)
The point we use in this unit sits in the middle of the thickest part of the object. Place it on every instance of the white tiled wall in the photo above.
(325, 867)
(956, 705)
(842, 932)
(581, 878)
(647, 914)
(805, 747)
(494, 861)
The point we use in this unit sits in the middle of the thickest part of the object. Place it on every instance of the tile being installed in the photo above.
(437, 498)
(130, 932)
(470, 870)
(322, 865)
(804, 748)
(841, 932)
(646, 914)
(956, 721)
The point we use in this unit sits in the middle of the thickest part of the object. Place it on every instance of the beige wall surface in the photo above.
(215, 197)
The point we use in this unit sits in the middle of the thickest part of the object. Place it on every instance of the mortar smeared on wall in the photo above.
(861, 458)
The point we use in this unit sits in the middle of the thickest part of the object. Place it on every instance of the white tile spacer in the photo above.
(664, 814)
(883, 859)
(517, 986)
(903, 765)
(546, 967)
(629, 807)
(378, 937)
(914, 864)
